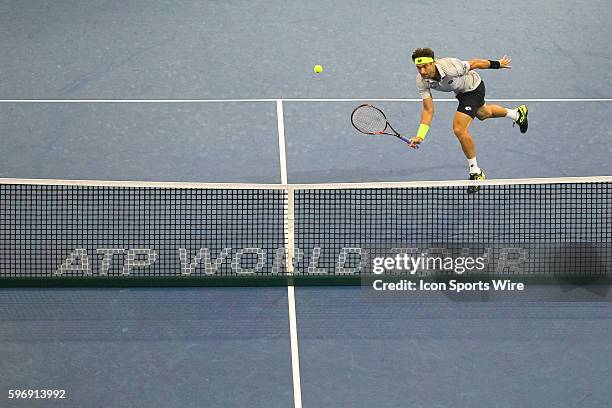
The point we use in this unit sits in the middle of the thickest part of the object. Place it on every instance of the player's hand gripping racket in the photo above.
(370, 120)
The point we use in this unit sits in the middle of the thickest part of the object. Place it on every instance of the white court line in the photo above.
(295, 356)
(280, 117)
(287, 100)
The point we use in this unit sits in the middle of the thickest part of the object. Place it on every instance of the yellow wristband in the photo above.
(423, 129)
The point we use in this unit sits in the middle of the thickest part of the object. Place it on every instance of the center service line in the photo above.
(295, 356)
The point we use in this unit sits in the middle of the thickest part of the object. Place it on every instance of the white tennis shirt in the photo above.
(456, 77)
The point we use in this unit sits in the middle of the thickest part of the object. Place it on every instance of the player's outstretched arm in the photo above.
(503, 62)
(426, 117)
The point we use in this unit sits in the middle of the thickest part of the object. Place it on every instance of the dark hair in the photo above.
(422, 52)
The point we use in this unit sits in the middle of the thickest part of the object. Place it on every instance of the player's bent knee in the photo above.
(460, 132)
(483, 114)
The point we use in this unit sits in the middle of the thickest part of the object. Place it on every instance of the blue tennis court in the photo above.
(223, 92)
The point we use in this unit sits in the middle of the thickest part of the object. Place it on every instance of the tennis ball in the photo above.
(318, 69)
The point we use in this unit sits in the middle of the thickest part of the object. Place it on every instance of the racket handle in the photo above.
(407, 141)
(404, 139)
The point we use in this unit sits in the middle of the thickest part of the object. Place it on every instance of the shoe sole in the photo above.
(526, 122)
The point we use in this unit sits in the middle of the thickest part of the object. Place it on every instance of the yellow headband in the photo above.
(423, 60)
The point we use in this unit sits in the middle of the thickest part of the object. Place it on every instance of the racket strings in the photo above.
(368, 119)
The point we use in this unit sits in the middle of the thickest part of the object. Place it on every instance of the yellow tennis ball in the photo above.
(318, 69)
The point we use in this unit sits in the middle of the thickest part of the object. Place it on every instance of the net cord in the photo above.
(322, 186)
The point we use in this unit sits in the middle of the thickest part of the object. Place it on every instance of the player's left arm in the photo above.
(504, 62)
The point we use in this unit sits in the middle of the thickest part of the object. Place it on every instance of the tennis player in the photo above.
(454, 75)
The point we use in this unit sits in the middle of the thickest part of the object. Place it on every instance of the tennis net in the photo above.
(104, 232)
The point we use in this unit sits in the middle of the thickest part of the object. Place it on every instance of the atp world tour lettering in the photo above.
(254, 260)
(81, 262)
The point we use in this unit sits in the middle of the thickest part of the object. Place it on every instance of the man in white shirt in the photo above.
(454, 75)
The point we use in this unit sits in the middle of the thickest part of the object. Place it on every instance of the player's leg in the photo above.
(495, 111)
(469, 104)
(518, 115)
(461, 124)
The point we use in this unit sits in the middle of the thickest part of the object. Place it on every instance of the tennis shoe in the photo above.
(522, 120)
(476, 176)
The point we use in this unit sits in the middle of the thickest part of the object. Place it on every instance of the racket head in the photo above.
(369, 120)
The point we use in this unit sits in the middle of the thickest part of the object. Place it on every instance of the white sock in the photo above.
(512, 114)
(474, 169)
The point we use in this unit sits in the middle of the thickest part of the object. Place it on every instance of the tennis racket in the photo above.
(370, 120)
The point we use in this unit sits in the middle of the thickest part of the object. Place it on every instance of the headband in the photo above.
(423, 60)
